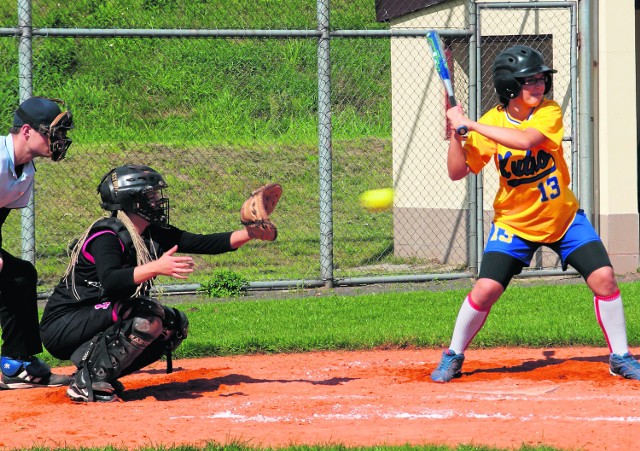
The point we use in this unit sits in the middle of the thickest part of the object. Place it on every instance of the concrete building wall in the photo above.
(616, 125)
(431, 209)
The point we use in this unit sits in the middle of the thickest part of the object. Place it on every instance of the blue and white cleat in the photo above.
(624, 365)
(450, 367)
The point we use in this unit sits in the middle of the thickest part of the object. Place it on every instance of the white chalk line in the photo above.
(375, 408)
(469, 395)
(426, 414)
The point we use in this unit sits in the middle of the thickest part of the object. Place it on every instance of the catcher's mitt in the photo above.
(255, 211)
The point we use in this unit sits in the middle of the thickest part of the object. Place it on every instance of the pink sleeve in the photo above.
(86, 254)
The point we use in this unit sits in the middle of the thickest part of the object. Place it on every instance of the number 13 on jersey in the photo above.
(549, 189)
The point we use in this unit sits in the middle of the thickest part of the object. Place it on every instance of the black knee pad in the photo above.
(146, 328)
(174, 330)
(142, 306)
(143, 320)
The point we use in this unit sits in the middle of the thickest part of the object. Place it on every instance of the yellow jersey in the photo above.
(534, 200)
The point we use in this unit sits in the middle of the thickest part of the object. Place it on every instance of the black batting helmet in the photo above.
(513, 65)
(135, 189)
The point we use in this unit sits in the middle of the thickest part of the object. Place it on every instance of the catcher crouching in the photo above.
(100, 315)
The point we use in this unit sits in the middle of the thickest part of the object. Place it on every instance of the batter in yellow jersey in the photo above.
(534, 206)
(534, 200)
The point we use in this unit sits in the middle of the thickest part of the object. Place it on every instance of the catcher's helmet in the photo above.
(135, 189)
(45, 116)
(513, 65)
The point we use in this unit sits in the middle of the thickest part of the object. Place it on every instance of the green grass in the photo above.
(221, 91)
(218, 117)
(207, 198)
(524, 316)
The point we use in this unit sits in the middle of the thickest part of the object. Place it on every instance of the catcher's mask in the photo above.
(45, 116)
(136, 189)
(513, 65)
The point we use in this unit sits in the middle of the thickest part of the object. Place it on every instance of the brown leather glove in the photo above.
(255, 212)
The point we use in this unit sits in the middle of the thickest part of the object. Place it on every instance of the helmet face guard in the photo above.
(136, 189)
(153, 206)
(56, 131)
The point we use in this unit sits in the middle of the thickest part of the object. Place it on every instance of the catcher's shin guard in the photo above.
(175, 329)
(110, 354)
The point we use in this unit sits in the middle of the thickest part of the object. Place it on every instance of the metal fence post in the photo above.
(475, 233)
(28, 214)
(585, 142)
(324, 145)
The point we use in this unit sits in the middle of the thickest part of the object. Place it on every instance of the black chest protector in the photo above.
(117, 227)
(86, 275)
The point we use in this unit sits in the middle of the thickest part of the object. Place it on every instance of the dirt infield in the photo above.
(506, 398)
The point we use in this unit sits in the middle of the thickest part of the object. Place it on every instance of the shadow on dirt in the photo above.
(195, 388)
(533, 365)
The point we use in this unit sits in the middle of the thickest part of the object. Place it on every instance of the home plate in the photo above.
(537, 390)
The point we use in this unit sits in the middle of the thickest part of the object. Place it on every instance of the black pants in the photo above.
(19, 308)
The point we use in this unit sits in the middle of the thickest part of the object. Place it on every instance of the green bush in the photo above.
(223, 283)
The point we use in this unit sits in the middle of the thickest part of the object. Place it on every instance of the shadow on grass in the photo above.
(378, 256)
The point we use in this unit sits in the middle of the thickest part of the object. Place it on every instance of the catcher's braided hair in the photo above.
(142, 253)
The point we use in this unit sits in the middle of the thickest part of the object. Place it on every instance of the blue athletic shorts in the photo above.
(579, 233)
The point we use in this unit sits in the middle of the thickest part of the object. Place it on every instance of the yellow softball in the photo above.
(376, 200)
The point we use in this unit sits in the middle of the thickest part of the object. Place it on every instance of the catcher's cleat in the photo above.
(82, 389)
(118, 387)
(450, 366)
(624, 365)
(100, 392)
(29, 373)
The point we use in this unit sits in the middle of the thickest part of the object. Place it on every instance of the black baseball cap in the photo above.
(36, 111)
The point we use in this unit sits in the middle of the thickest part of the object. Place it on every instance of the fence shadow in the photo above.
(195, 388)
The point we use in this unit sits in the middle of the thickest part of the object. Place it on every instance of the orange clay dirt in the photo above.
(563, 398)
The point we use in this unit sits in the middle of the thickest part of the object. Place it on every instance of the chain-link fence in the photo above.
(551, 30)
(221, 97)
